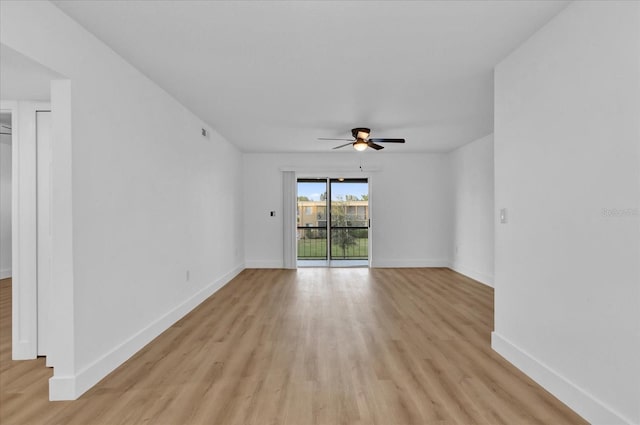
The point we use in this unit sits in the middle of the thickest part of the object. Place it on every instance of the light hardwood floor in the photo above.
(312, 346)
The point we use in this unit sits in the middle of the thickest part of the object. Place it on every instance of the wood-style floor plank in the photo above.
(305, 347)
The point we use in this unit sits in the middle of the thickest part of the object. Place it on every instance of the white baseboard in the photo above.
(72, 387)
(23, 350)
(484, 278)
(264, 264)
(583, 403)
(387, 263)
(402, 263)
(5, 273)
(62, 388)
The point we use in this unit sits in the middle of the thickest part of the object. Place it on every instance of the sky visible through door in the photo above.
(311, 192)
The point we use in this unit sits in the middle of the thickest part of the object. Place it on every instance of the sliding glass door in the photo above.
(333, 220)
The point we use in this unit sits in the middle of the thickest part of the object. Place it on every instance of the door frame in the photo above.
(24, 217)
(61, 350)
(44, 149)
(336, 174)
(24, 244)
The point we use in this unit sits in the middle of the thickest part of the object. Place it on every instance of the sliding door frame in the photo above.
(336, 175)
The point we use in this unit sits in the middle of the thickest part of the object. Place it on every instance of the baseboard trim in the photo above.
(23, 350)
(62, 388)
(72, 387)
(583, 403)
(394, 263)
(5, 273)
(264, 264)
(484, 278)
(407, 263)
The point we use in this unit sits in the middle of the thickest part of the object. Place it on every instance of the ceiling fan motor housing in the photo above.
(355, 131)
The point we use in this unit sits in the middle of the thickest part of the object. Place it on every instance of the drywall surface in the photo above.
(157, 207)
(410, 200)
(567, 274)
(473, 226)
(5, 206)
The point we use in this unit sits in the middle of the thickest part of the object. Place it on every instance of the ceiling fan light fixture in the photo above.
(360, 144)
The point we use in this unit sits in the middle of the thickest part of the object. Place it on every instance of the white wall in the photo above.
(473, 226)
(410, 204)
(567, 277)
(5, 206)
(150, 201)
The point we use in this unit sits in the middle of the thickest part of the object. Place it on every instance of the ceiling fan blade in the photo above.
(342, 146)
(387, 140)
(323, 138)
(374, 146)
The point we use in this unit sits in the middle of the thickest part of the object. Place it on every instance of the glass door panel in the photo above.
(349, 229)
(312, 219)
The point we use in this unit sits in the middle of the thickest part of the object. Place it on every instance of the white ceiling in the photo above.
(274, 76)
(23, 79)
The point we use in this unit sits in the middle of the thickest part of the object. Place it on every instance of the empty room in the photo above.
(319, 212)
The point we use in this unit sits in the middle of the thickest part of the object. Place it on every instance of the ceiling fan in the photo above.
(362, 140)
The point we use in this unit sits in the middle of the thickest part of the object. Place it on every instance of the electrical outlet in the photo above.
(503, 215)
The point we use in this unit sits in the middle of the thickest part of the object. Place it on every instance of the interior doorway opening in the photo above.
(5, 193)
(333, 222)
